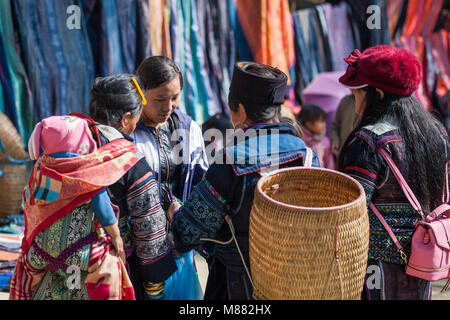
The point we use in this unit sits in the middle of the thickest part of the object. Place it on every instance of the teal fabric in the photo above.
(16, 92)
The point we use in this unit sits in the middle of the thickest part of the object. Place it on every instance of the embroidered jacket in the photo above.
(142, 221)
(362, 161)
(176, 156)
(228, 189)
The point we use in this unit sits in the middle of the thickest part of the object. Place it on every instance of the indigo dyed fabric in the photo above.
(143, 37)
(341, 40)
(126, 12)
(104, 34)
(363, 35)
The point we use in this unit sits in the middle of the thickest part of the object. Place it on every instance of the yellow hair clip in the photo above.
(134, 82)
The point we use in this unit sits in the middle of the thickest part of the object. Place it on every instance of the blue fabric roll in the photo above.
(143, 45)
(16, 89)
(177, 34)
(104, 35)
(207, 106)
(126, 13)
(243, 49)
(28, 27)
(112, 33)
(53, 55)
(74, 59)
(364, 36)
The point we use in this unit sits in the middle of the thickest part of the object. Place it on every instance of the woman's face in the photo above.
(360, 101)
(162, 101)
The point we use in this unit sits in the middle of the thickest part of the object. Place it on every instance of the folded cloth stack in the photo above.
(12, 224)
(9, 253)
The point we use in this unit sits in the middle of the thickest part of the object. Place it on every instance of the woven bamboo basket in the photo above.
(13, 168)
(11, 140)
(12, 184)
(308, 236)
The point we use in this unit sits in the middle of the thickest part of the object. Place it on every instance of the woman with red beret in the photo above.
(383, 80)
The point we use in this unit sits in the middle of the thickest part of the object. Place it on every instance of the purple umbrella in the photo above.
(326, 92)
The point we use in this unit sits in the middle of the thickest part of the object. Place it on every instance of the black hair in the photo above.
(424, 138)
(219, 121)
(257, 112)
(158, 70)
(112, 97)
(311, 113)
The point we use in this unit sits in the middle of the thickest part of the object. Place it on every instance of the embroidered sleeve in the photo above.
(201, 217)
(148, 220)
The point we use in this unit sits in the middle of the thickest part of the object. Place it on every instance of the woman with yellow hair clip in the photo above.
(116, 105)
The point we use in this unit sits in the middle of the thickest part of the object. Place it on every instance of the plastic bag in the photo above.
(184, 284)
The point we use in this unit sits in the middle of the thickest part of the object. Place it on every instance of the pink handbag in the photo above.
(430, 245)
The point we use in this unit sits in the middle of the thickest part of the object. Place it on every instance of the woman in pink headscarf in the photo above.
(72, 248)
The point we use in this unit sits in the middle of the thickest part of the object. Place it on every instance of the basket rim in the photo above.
(313, 209)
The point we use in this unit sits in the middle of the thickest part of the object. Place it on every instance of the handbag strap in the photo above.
(446, 192)
(408, 193)
(389, 231)
(403, 184)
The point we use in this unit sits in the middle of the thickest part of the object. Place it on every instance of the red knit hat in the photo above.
(384, 67)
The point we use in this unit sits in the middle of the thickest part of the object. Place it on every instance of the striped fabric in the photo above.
(160, 28)
(267, 25)
(13, 78)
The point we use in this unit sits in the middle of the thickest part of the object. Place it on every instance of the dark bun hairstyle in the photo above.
(112, 97)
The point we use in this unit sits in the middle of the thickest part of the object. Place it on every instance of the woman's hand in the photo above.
(117, 242)
(118, 245)
(174, 207)
(172, 245)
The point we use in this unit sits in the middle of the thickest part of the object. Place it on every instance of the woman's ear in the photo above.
(242, 114)
(125, 120)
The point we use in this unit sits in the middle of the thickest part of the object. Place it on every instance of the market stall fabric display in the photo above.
(11, 234)
(48, 69)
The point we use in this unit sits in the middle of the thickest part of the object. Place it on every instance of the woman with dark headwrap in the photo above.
(226, 192)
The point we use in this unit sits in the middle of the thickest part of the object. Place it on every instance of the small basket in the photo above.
(308, 236)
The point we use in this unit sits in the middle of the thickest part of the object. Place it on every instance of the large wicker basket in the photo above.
(309, 236)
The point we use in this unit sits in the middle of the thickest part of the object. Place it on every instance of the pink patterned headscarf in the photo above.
(61, 134)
